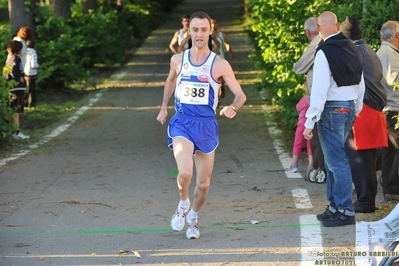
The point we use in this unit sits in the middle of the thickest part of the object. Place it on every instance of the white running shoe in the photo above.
(192, 228)
(20, 135)
(178, 219)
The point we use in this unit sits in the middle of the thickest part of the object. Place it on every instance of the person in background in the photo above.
(30, 70)
(224, 46)
(302, 106)
(23, 34)
(119, 6)
(305, 63)
(14, 71)
(369, 130)
(335, 100)
(305, 66)
(194, 79)
(388, 53)
(179, 35)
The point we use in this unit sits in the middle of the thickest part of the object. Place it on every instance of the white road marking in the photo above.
(311, 236)
(301, 198)
(311, 240)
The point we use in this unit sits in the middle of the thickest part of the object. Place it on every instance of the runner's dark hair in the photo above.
(201, 15)
(14, 46)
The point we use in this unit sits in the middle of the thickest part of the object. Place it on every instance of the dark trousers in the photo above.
(318, 156)
(31, 84)
(363, 168)
(390, 157)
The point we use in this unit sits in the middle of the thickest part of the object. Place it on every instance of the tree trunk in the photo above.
(19, 17)
(62, 8)
(89, 4)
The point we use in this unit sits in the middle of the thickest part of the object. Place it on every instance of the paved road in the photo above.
(107, 182)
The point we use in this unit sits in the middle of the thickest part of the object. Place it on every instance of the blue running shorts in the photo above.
(203, 132)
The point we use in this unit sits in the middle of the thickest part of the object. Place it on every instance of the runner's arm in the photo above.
(169, 87)
(223, 70)
(174, 41)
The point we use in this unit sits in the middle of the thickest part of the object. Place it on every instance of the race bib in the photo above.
(193, 92)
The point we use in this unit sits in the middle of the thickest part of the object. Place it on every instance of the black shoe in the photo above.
(362, 209)
(327, 214)
(391, 197)
(339, 219)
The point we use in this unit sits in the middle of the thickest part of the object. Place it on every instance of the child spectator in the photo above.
(23, 34)
(30, 69)
(302, 106)
(17, 91)
(119, 6)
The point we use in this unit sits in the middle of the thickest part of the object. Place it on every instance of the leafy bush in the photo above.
(60, 64)
(70, 50)
(375, 15)
(101, 40)
(6, 113)
(141, 16)
(278, 29)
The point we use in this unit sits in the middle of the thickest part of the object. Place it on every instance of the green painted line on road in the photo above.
(151, 230)
(172, 172)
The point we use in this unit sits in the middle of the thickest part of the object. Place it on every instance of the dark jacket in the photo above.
(375, 95)
(343, 58)
(17, 73)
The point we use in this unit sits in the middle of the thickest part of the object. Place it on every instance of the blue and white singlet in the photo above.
(196, 92)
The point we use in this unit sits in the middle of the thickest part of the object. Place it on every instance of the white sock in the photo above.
(192, 214)
(185, 204)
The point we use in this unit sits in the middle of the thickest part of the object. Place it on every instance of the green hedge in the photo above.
(278, 29)
(71, 50)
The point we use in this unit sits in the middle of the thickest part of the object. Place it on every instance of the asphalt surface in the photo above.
(101, 188)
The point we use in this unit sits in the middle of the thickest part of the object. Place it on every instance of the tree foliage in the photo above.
(71, 49)
(279, 32)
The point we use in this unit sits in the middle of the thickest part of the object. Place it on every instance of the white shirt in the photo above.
(31, 64)
(325, 88)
